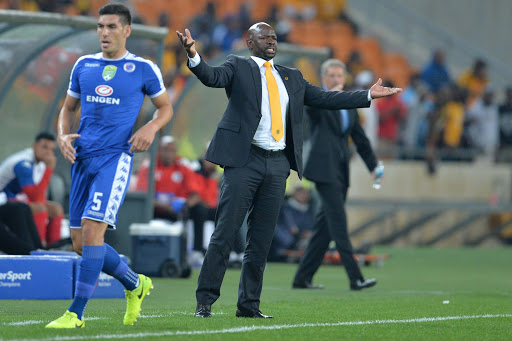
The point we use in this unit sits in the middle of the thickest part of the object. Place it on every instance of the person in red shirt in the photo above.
(177, 189)
(392, 113)
(209, 186)
(25, 176)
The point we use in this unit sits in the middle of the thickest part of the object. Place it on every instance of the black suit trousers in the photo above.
(330, 224)
(258, 188)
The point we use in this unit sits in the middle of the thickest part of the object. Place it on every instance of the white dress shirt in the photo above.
(263, 136)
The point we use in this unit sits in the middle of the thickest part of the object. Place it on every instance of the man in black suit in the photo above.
(328, 167)
(257, 150)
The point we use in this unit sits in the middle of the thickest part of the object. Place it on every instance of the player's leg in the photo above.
(91, 263)
(114, 179)
(78, 199)
(137, 285)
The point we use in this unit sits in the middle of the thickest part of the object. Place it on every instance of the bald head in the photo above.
(262, 41)
(256, 28)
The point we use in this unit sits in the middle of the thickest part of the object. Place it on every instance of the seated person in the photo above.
(207, 178)
(18, 232)
(25, 176)
(177, 190)
(294, 224)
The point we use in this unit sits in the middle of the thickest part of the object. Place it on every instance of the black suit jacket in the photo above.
(329, 157)
(241, 78)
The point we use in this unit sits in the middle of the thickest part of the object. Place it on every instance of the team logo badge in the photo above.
(129, 67)
(104, 90)
(109, 72)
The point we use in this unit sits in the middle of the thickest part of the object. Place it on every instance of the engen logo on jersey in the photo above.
(104, 90)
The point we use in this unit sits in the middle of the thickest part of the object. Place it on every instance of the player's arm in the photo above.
(64, 138)
(144, 136)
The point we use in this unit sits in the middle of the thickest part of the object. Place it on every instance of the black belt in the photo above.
(266, 153)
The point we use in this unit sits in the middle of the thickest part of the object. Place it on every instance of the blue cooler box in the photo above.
(159, 249)
(36, 277)
(107, 286)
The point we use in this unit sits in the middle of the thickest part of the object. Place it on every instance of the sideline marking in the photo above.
(274, 327)
(91, 318)
(28, 322)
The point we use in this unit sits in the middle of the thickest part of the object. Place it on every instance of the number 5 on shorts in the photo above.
(97, 201)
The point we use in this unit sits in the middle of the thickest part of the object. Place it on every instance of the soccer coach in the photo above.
(257, 141)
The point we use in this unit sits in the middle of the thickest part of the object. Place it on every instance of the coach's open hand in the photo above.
(188, 42)
(377, 90)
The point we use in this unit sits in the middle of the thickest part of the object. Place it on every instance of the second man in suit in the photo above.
(328, 167)
(257, 141)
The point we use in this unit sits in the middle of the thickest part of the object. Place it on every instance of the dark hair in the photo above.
(118, 9)
(45, 136)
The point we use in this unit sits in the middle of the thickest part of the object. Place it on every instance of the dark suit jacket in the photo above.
(328, 159)
(241, 78)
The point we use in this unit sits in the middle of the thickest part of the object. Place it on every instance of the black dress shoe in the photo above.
(252, 314)
(363, 284)
(203, 310)
(307, 285)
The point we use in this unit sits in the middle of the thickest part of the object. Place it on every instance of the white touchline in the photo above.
(24, 323)
(274, 327)
(90, 318)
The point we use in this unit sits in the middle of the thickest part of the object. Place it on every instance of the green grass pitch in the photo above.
(406, 304)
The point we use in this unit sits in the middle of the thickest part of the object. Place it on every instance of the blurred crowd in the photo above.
(439, 116)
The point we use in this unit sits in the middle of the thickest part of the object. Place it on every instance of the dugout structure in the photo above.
(37, 53)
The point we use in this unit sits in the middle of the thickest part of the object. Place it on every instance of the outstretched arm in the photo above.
(377, 90)
(144, 136)
(215, 77)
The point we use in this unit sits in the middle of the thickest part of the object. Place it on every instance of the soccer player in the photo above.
(110, 86)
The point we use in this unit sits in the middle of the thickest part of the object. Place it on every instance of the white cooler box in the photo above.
(159, 249)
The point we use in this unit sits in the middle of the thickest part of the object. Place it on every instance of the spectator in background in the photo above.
(474, 80)
(482, 123)
(203, 25)
(278, 19)
(226, 33)
(209, 185)
(452, 117)
(294, 224)
(369, 117)
(356, 67)
(177, 191)
(18, 232)
(206, 172)
(244, 17)
(420, 102)
(26, 176)
(392, 114)
(505, 126)
(435, 74)
(299, 9)
(83, 7)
